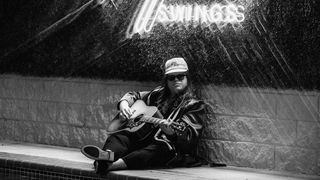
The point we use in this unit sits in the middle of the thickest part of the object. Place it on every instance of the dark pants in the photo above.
(138, 154)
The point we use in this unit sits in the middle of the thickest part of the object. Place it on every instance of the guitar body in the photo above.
(134, 125)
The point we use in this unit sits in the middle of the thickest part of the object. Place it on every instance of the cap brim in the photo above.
(176, 71)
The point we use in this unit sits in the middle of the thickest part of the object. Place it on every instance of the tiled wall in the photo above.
(268, 129)
(67, 112)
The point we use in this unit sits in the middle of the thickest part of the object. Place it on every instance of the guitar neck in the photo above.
(152, 120)
(158, 121)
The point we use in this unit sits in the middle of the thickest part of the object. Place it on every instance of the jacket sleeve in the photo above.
(132, 96)
(191, 120)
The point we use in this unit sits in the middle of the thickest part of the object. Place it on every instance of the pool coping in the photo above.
(44, 166)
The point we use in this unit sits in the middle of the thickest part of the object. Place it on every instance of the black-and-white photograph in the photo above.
(160, 89)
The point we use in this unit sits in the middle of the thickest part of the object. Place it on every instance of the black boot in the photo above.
(101, 167)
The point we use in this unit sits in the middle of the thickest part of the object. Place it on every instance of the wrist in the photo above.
(123, 104)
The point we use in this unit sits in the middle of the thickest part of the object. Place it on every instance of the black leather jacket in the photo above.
(187, 112)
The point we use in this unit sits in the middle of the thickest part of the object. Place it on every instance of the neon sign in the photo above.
(153, 12)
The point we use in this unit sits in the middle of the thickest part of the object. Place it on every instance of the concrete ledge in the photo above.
(36, 161)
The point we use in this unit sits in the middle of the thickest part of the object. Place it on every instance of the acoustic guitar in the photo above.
(139, 122)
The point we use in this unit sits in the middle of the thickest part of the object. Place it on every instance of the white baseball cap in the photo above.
(176, 65)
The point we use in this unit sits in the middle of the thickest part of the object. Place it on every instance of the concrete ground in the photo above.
(75, 157)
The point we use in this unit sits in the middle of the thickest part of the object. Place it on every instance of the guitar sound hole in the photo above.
(133, 123)
(137, 119)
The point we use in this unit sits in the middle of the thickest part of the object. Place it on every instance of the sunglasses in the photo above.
(180, 77)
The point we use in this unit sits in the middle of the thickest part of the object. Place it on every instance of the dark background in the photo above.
(278, 46)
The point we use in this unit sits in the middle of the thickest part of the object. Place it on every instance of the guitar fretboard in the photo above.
(159, 121)
(153, 120)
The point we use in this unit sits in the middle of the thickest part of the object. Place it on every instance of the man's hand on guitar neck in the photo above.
(125, 110)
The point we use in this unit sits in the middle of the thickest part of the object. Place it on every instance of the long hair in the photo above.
(165, 95)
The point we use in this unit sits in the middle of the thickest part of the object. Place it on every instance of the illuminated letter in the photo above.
(200, 14)
(240, 16)
(215, 13)
(163, 14)
(231, 15)
(145, 15)
(188, 13)
(180, 11)
(141, 24)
